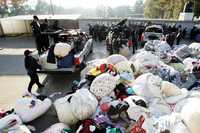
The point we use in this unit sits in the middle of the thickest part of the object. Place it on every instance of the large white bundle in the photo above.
(56, 128)
(29, 108)
(149, 46)
(195, 49)
(148, 86)
(45, 64)
(64, 110)
(159, 108)
(144, 61)
(183, 52)
(188, 63)
(20, 129)
(172, 93)
(7, 120)
(180, 104)
(134, 111)
(190, 114)
(195, 46)
(125, 71)
(103, 85)
(162, 48)
(83, 104)
(124, 51)
(62, 49)
(170, 122)
(115, 58)
(124, 66)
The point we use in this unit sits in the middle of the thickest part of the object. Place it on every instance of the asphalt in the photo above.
(14, 80)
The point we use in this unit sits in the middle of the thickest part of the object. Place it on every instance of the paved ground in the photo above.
(14, 81)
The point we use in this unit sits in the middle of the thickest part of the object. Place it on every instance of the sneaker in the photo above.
(41, 86)
(26, 94)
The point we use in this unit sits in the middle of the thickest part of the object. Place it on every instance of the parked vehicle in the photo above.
(154, 32)
(81, 47)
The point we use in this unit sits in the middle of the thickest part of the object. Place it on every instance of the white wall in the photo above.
(11, 26)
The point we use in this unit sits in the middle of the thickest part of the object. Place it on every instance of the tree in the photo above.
(7, 6)
(167, 9)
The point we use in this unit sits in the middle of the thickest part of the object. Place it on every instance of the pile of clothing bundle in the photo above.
(117, 95)
(25, 110)
(60, 55)
(155, 91)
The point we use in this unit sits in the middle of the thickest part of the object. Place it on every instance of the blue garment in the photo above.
(67, 61)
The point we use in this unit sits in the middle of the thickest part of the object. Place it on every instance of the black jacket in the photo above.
(35, 28)
(31, 64)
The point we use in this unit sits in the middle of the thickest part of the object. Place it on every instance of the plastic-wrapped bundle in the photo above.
(144, 62)
(8, 120)
(172, 123)
(83, 104)
(90, 65)
(103, 85)
(64, 110)
(125, 71)
(148, 86)
(20, 129)
(124, 51)
(168, 73)
(149, 46)
(178, 67)
(29, 108)
(159, 108)
(190, 114)
(188, 62)
(183, 51)
(56, 128)
(45, 64)
(137, 107)
(62, 49)
(173, 94)
(116, 58)
(162, 48)
(195, 48)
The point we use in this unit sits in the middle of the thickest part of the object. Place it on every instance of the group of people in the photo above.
(133, 35)
(41, 40)
(98, 32)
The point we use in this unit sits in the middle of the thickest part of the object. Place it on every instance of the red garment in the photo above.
(130, 43)
(137, 127)
(86, 126)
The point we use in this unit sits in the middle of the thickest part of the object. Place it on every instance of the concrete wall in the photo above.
(20, 25)
(83, 23)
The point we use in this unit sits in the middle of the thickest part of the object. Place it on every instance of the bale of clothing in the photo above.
(155, 91)
(115, 96)
(60, 55)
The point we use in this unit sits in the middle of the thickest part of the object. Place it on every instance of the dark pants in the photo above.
(34, 79)
(178, 41)
(38, 41)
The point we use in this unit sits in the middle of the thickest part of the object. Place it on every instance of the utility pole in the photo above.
(52, 10)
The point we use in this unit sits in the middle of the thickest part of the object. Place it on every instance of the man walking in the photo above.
(31, 66)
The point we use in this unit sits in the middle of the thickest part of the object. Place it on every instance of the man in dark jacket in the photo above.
(31, 66)
(37, 33)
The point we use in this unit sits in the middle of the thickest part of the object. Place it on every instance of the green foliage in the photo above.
(164, 9)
